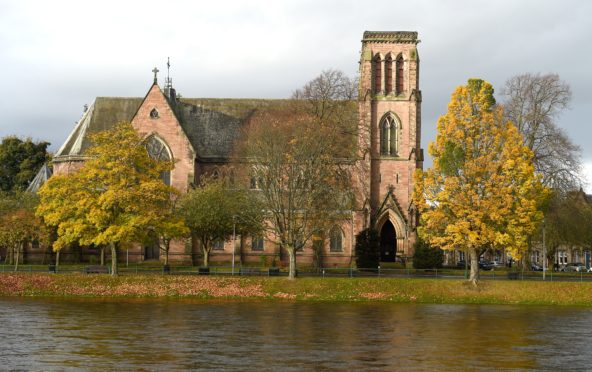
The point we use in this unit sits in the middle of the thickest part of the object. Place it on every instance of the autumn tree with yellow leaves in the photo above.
(482, 192)
(117, 198)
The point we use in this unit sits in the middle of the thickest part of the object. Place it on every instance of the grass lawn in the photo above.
(302, 289)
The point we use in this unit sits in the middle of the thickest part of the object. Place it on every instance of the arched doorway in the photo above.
(388, 242)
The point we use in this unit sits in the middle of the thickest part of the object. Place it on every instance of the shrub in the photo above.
(426, 257)
(367, 249)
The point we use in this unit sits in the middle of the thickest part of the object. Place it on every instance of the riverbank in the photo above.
(304, 289)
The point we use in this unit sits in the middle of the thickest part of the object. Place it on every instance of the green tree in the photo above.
(170, 226)
(19, 225)
(21, 160)
(212, 210)
(568, 218)
(115, 199)
(426, 257)
(481, 192)
(368, 248)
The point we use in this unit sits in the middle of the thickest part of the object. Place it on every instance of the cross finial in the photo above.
(155, 70)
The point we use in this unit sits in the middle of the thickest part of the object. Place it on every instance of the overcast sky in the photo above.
(56, 56)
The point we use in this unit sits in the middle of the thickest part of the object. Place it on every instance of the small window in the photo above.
(299, 245)
(388, 67)
(400, 75)
(377, 74)
(257, 244)
(254, 184)
(336, 240)
(35, 244)
(218, 245)
(154, 114)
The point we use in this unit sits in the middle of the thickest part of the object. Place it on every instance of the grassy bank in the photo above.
(305, 289)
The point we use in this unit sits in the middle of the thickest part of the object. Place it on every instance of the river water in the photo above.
(56, 334)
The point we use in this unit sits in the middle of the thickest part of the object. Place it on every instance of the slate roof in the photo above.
(211, 124)
(102, 114)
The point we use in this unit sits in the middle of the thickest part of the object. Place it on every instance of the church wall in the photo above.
(61, 167)
(374, 176)
(167, 127)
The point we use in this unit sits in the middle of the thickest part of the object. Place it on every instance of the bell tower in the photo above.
(390, 120)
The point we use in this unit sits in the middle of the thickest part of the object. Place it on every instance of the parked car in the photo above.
(536, 267)
(486, 265)
(574, 266)
(497, 264)
(461, 264)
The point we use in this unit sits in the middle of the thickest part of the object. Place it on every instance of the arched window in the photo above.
(388, 68)
(389, 137)
(377, 74)
(400, 75)
(158, 150)
(218, 245)
(257, 243)
(336, 240)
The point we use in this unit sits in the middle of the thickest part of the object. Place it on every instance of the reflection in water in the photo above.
(42, 334)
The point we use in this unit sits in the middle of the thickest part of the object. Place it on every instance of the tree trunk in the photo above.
(292, 255)
(114, 271)
(474, 266)
(57, 260)
(166, 252)
(16, 259)
(206, 257)
(9, 256)
(102, 256)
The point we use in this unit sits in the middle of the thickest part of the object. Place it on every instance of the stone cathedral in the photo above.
(198, 135)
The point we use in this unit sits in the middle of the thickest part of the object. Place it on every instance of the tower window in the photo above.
(377, 74)
(389, 137)
(400, 75)
(388, 67)
(154, 113)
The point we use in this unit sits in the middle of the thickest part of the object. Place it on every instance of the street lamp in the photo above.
(233, 240)
(544, 251)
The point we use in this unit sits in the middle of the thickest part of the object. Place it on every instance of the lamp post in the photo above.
(544, 251)
(233, 240)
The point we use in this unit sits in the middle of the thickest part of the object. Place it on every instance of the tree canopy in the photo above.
(19, 225)
(534, 103)
(212, 212)
(20, 160)
(115, 199)
(303, 187)
(482, 191)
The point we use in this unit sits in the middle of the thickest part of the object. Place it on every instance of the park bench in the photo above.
(96, 269)
(250, 271)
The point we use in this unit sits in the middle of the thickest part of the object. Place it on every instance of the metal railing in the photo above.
(326, 272)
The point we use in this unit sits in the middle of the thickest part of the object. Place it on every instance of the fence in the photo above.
(446, 273)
